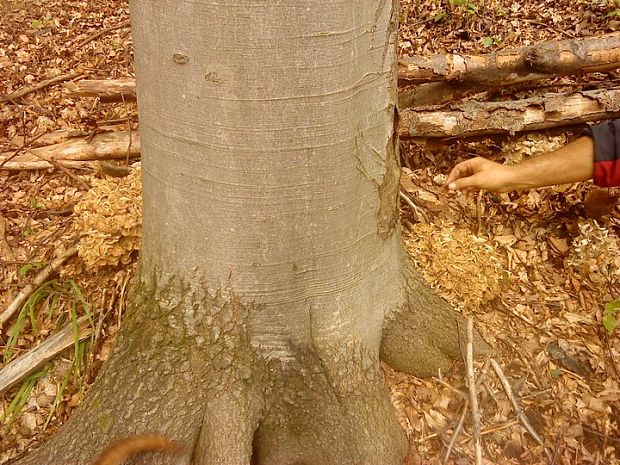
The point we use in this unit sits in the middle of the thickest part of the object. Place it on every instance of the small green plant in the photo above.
(488, 42)
(41, 23)
(467, 5)
(20, 399)
(35, 203)
(49, 294)
(610, 315)
(440, 16)
(29, 232)
(616, 11)
(24, 269)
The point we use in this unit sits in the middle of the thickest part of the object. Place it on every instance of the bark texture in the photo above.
(477, 118)
(272, 257)
(544, 60)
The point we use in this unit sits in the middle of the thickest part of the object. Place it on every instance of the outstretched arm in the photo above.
(571, 163)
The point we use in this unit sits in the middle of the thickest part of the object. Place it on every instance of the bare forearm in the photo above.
(571, 163)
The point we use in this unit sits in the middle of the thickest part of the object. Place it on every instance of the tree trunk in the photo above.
(272, 262)
(539, 61)
(478, 118)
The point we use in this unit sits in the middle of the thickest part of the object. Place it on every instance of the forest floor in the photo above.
(535, 269)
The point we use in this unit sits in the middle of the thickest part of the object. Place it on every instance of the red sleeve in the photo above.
(606, 137)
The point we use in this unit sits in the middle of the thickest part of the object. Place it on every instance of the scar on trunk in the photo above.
(122, 449)
(388, 190)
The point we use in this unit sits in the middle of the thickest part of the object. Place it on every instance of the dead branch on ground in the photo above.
(542, 60)
(107, 146)
(18, 94)
(479, 118)
(96, 35)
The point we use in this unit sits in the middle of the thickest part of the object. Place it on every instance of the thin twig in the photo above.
(417, 210)
(19, 149)
(39, 279)
(479, 211)
(483, 432)
(518, 411)
(41, 85)
(457, 432)
(556, 449)
(451, 388)
(611, 357)
(473, 396)
(96, 35)
(53, 162)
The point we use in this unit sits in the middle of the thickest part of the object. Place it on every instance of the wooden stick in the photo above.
(473, 396)
(41, 85)
(44, 352)
(111, 145)
(457, 432)
(39, 279)
(108, 90)
(515, 405)
(416, 210)
(96, 35)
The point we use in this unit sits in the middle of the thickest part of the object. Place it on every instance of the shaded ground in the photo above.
(533, 269)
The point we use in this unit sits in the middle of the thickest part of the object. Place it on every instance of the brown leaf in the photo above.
(599, 203)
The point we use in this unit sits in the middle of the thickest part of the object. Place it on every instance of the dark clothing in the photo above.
(606, 137)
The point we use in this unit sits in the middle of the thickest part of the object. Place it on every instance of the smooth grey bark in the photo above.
(272, 263)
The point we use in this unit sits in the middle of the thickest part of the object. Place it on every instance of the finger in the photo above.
(465, 168)
(468, 182)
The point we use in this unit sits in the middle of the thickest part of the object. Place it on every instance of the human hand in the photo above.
(480, 173)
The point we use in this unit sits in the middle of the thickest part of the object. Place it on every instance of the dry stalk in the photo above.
(518, 411)
(473, 396)
(457, 432)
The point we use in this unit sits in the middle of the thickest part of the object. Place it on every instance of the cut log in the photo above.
(111, 145)
(108, 90)
(479, 118)
(539, 61)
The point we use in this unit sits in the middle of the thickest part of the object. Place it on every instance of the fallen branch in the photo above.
(108, 90)
(107, 146)
(539, 61)
(18, 94)
(518, 411)
(96, 35)
(39, 279)
(480, 118)
(44, 352)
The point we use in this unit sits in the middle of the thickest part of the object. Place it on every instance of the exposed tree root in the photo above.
(185, 369)
(426, 334)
